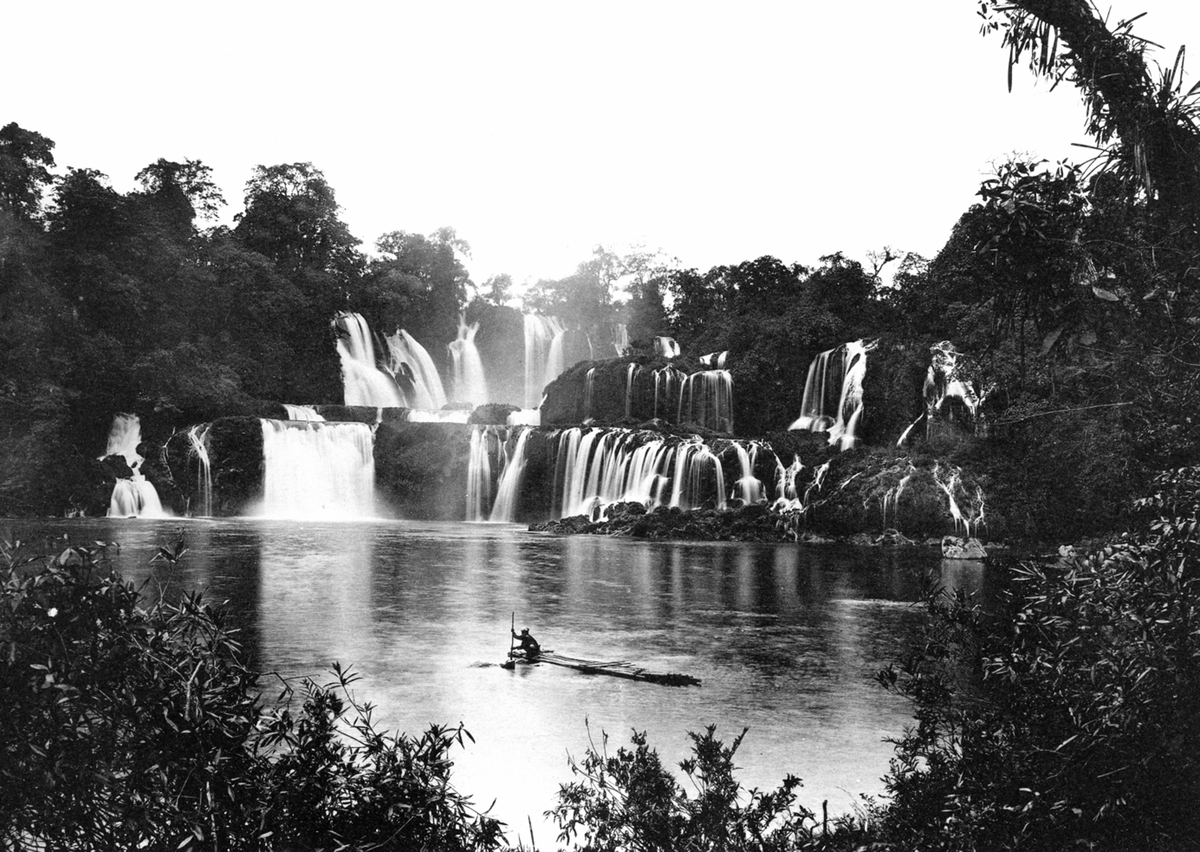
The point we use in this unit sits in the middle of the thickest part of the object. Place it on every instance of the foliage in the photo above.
(1065, 712)
(586, 297)
(418, 283)
(128, 726)
(1146, 129)
(25, 161)
(291, 216)
(629, 801)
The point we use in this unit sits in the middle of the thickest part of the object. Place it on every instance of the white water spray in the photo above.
(364, 383)
(315, 470)
(414, 370)
(843, 369)
(135, 497)
(469, 384)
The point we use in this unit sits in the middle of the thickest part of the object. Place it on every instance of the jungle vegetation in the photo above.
(1063, 719)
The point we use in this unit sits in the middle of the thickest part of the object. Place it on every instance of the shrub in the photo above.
(1066, 714)
(629, 801)
(132, 726)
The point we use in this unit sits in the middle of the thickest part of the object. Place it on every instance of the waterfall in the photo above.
(666, 347)
(135, 497)
(841, 370)
(415, 371)
(969, 521)
(787, 497)
(595, 468)
(364, 382)
(666, 390)
(630, 372)
(198, 440)
(302, 412)
(891, 498)
(589, 388)
(715, 359)
(479, 472)
(695, 465)
(318, 470)
(904, 435)
(123, 438)
(944, 389)
(706, 399)
(620, 338)
(509, 488)
(469, 384)
(543, 355)
(748, 487)
(447, 415)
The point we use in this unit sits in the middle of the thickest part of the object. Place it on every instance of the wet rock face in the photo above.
(235, 446)
(421, 468)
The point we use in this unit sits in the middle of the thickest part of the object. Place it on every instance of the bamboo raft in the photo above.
(612, 668)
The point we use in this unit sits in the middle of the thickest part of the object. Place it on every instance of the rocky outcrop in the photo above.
(954, 547)
(740, 523)
(235, 447)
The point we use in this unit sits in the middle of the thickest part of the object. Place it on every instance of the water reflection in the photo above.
(786, 639)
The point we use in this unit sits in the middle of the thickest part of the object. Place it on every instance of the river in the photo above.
(785, 638)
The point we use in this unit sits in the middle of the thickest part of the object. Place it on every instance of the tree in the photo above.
(497, 290)
(188, 182)
(1147, 128)
(586, 298)
(419, 283)
(25, 163)
(291, 216)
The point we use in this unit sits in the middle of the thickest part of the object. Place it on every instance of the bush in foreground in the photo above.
(123, 727)
(629, 801)
(1066, 716)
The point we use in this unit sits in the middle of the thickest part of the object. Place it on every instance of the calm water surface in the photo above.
(786, 639)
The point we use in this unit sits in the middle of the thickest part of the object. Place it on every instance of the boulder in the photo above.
(956, 548)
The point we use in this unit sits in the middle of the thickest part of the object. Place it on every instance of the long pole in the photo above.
(512, 634)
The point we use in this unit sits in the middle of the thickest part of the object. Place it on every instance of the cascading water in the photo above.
(364, 382)
(890, 502)
(198, 442)
(589, 392)
(302, 412)
(970, 519)
(667, 382)
(543, 355)
(318, 470)
(479, 473)
(135, 497)
(620, 338)
(706, 399)
(595, 468)
(944, 389)
(449, 415)
(841, 370)
(630, 372)
(509, 488)
(469, 384)
(415, 372)
(715, 359)
(695, 465)
(666, 347)
(749, 489)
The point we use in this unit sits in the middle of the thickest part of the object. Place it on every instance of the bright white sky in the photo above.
(714, 133)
